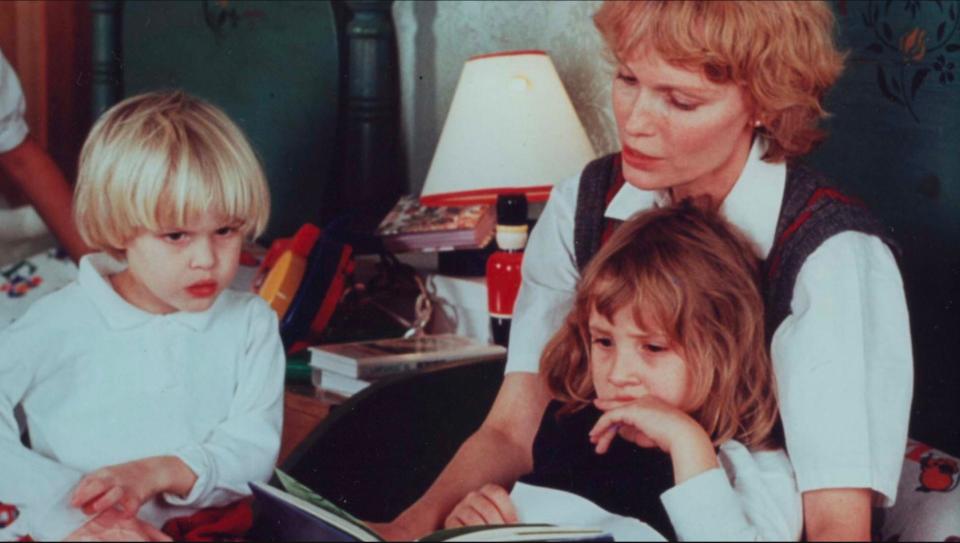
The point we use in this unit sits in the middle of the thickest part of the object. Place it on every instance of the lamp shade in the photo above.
(510, 128)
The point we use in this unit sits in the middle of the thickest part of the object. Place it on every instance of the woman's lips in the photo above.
(638, 160)
(203, 289)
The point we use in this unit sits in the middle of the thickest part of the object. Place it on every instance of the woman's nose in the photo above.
(644, 113)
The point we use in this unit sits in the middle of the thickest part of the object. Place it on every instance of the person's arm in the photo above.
(844, 371)
(36, 485)
(837, 514)
(499, 452)
(703, 504)
(753, 497)
(111, 525)
(244, 446)
(127, 486)
(33, 171)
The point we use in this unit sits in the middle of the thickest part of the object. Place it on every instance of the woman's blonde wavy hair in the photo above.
(687, 272)
(155, 160)
(781, 52)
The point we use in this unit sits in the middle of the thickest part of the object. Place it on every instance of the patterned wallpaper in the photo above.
(436, 38)
(894, 140)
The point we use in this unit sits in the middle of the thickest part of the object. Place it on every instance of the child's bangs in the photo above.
(653, 298)
(202, 183)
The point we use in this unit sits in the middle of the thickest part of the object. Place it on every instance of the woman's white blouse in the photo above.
(13, 128)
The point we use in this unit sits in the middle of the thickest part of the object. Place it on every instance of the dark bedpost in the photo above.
(370, 177)
(107, 79)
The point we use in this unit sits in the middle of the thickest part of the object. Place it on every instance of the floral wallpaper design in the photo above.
(912, 50)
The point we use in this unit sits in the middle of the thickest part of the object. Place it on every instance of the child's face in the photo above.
(628, 362)
(180, 269)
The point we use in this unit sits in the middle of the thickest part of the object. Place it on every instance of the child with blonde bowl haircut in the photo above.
(149, 390)
(659, 376)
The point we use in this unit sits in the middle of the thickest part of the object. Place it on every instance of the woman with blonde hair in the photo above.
(719, 99)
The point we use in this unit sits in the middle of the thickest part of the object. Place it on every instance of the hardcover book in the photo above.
(368, 360)
(411, 226)
(299, 514)
(331, 381)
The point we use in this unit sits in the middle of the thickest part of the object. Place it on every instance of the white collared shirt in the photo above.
(842, 360)
(13, 128)
(102, 382)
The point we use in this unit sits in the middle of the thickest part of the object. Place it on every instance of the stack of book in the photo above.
(411, 226)
(344, 369)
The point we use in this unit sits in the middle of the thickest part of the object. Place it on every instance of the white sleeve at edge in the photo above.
(549, 280)
(38, 486)
(13, 127)
(844, 368)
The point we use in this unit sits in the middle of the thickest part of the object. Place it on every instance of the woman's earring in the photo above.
(757, 123)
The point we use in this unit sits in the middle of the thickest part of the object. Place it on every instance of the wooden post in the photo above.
(369, 174)
(107, 54)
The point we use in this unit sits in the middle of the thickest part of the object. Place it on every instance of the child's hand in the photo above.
(489, 505)
(128, 486)
(647, 422)
(124, 487)
(651, 422)
(111, 525)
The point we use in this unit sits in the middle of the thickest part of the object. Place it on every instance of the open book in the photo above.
(299, 514)
(540, 504)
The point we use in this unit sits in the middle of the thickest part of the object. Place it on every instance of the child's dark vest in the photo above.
(810, 214)
(627, 480)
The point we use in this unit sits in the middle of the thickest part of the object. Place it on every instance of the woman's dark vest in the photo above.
(628, 480)
(811, 213)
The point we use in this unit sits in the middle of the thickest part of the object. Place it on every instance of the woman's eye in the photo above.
(654, 348)
(174, 236)
(626, 78)
(683, 105)
(226, 231)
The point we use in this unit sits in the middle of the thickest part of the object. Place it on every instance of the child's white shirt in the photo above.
(102, 382)
(753, 496)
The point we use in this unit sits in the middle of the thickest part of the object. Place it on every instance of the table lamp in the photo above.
(510, 135)
(511, 128)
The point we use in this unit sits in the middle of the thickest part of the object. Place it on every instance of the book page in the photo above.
(536, 504)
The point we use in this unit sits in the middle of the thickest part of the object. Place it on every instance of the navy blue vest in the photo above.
(811, 213)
